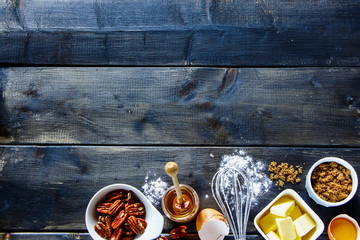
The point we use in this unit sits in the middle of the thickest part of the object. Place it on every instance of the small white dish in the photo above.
(311, 191)
(319, 228)
(155, 221)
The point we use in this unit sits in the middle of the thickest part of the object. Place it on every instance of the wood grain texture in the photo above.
(181, 106)
(173, 33)
(48, 188)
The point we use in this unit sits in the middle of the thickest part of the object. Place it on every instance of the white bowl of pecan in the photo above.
(120, 211)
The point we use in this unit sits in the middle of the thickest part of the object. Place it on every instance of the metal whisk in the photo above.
(232, 190)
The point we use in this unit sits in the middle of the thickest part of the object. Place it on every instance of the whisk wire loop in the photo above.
(232, 190)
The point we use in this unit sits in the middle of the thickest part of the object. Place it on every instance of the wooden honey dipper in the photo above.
(182, 203)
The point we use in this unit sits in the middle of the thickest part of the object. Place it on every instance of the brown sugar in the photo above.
(283, 172)
(331, 181)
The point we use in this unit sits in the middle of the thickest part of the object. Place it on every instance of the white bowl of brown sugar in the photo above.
(331, 182)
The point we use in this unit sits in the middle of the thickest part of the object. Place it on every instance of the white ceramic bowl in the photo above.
(303, 207)
(155, 221)
(322, 202)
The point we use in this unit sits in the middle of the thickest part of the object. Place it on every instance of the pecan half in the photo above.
(178, 232)
(128, 233)
(115, 195)
(115, 208)
(137, 225)
(162, 238)
(136, 209)
(103, 208)
(108, 223)
(116, 234)
(130, 197)
(102, 230)
(119, 219)
(101, 219)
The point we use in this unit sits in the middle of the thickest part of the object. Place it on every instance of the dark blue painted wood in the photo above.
(181, 106)
(172, 33)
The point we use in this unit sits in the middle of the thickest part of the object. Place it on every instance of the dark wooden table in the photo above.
(101, 92)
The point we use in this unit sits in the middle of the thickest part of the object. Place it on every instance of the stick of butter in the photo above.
(283, 207)
(295, 213)
(304, 224)
(272, 236)
(268, 223)
(286, 228)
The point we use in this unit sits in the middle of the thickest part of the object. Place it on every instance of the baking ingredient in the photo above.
(120, 208)
(178, 232)
(343, 229)
(304, 224)
(162, 237)
(283, 172)
(154, 188)
(280, 224)
(268, 223)
(177, 212)
(286, 228)
(211, 225)
(272, 236)
(242, 161)
(295, 213)
(331, 182)
(283, 207)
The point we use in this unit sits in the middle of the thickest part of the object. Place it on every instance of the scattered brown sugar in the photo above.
(331, 181)
(283, 172)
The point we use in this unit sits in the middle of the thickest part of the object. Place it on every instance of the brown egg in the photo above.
(211, 225)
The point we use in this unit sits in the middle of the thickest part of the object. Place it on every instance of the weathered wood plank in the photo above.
(182, 106)
(221, 46)
(48, 188)
(221, 33)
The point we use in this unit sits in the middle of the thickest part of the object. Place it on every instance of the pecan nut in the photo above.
(137, 225)
(119, 219)
(115, 208)
(130, 197)
(108, 223)
(116, 234)
(162, 238)
(103, 208)
(102, 230)
(178, 232)
(136, 209)
(115, 195)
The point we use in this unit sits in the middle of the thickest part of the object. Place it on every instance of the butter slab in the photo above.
(295, 213)
(304, 224)
(286, 228)
(268, 223)
(272, 236)
(283, 207)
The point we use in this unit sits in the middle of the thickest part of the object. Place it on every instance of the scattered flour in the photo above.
(240, 160)
(154, 188)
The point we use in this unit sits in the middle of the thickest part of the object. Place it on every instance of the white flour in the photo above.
(154, 188)
(240, 160)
